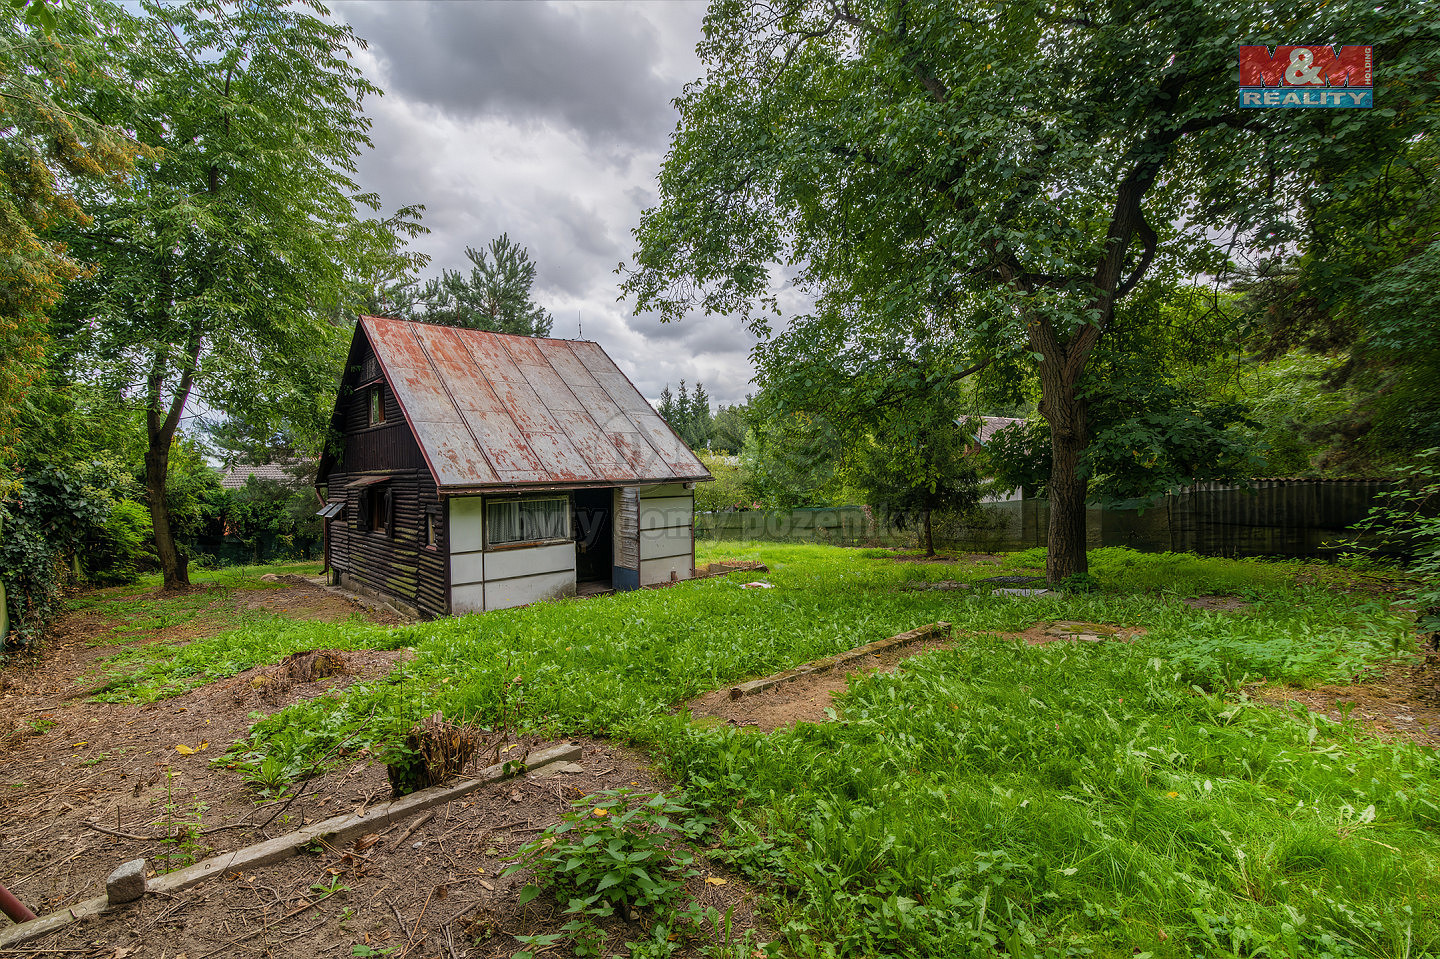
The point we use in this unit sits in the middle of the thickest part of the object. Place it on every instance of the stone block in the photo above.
(126, 883)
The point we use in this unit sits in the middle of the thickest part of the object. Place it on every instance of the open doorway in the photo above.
(594, 539)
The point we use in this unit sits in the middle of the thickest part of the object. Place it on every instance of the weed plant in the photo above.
(614, 853)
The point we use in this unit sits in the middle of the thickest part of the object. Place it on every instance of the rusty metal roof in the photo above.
(494, 410)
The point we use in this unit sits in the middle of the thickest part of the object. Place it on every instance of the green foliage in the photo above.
(608, 856)
(1409, 517)
(1071, 800)
(272, 518)
(606, 667)
(993, 797)
(999, 177)
(495, 296)
(614, 853)
(52, 59)
(792, 458)
(193, 493)
(1362, 292)
(211, 272)
(730, 490)
(45, 515)
(118, 549)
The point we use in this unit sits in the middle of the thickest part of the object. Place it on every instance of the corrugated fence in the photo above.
(1269, 517)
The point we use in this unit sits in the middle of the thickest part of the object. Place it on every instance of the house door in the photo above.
(594, 535)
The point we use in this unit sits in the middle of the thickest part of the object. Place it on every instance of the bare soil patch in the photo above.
(85, 786)
(942, 585)
(80, 640)
(724, 567)
(434, 890)
(803, 700)
(1401, 703)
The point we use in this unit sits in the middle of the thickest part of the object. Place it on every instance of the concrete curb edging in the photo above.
(333, 830)
(839, 659)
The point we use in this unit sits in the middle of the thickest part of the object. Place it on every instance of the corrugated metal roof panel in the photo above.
(490, 409)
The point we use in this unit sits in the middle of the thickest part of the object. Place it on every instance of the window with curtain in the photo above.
(526, 520)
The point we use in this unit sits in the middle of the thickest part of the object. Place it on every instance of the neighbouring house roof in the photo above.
(493, 410)
(236, 476)
(990, 425)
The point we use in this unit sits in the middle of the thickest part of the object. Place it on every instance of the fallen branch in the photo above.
(416, 927)
(413, 829)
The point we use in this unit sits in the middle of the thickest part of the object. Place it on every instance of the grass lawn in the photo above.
(1106, 799)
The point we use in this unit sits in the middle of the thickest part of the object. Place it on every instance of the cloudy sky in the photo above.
(547, 121)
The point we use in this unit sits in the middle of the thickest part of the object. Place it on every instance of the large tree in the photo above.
(54, 64)
(1001, 173)
(213, 269)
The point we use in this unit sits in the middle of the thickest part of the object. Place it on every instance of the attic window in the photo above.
(377, 408)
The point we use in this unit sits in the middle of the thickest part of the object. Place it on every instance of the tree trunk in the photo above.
(161, 422)
(173, 566)
(929, 535)
(1065, 411)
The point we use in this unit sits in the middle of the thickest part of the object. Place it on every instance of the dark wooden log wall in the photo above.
(396, 562)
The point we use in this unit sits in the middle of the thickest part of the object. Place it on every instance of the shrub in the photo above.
(1410, 518)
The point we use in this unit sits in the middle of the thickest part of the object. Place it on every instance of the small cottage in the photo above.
(475, 471)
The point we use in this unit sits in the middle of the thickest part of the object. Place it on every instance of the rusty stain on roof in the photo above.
(496, 410)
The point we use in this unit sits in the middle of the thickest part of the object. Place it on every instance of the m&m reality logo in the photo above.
(1308, 76)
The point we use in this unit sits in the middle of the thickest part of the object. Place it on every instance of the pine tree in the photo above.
(701, 423)
(495, 296)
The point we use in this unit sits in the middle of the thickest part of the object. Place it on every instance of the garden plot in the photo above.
(787, 698)
(430, 885)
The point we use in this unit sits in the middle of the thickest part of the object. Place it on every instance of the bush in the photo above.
(121, 547)
(45, 514)
(1409, 517)
(729, 489)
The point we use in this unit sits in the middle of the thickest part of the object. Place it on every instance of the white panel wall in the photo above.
(467, 516)
(529, 561)
(467, 599)
(514, 577)
(467, 562)
(667, 534)
(501, 578)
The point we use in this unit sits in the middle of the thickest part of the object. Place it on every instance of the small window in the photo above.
(430, 529)
(377, 407)
(527, 520)
(377, 507)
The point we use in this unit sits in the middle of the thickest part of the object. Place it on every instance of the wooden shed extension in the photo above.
(479, 470)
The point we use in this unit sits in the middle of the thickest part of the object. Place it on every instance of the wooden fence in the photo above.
(1269, 517)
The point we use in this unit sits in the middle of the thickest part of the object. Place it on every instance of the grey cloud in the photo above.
(584, 67)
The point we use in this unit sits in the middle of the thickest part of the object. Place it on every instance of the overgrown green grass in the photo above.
(1073, 800)
(1106, 799)
(138, 609)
